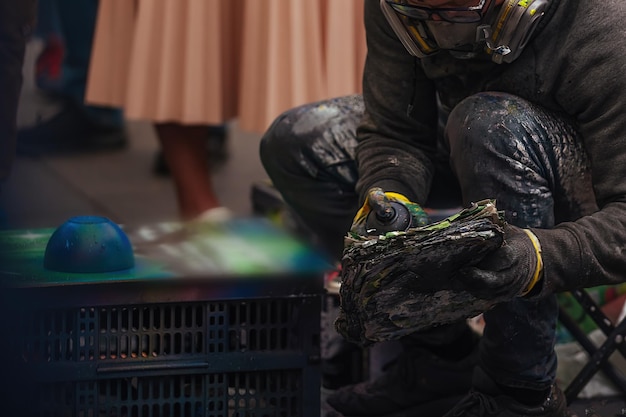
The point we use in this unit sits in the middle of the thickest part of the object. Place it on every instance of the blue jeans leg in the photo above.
(78, 22)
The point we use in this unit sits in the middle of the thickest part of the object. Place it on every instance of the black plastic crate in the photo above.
(156, 332)
(173, 344)
(226, 358)
(257, 393)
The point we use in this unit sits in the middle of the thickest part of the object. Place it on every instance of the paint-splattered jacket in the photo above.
(574, 65)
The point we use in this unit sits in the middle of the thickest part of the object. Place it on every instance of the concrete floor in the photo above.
(45, 191)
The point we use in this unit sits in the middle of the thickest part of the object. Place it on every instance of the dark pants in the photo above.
(74, 21)
(498, 146)
(17, 19)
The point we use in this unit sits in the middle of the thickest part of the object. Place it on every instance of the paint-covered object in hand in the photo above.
(402, 282)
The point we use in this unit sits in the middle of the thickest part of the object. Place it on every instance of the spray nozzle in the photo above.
(386, 215)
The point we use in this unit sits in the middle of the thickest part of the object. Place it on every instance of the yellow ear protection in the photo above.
(512, 29)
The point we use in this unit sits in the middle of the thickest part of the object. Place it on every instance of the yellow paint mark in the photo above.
(500, 24)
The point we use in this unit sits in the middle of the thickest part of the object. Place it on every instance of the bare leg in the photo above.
(184, 150)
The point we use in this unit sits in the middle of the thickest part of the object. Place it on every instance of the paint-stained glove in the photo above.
(402, 282)
(384, 212)
(511, 271)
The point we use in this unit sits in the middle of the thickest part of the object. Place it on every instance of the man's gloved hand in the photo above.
(512, 270)
(383, 212)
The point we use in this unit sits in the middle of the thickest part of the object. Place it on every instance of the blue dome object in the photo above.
(88, 244)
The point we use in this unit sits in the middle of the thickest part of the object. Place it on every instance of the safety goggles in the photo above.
(471, 14)
(407, 21)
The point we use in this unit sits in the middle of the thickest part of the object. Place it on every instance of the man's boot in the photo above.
(488, 399)
(417, 383)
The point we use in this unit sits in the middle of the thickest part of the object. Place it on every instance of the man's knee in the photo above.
(283, 146)
(480, 125)
(275, 142)
(312, 137)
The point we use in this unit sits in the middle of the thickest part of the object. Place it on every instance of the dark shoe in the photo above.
(159, 166)
(486, 400)
(216, 144)
(268, 202)
(69, 131)
(479, 404)
(417, 383)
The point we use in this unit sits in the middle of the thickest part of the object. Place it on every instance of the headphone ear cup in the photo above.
(500, 25)
(514, 26)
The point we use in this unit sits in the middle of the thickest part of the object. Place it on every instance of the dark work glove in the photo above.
(511, 271)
